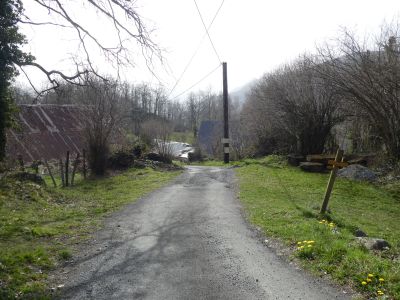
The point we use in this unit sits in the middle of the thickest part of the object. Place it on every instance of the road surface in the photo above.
(188, 240)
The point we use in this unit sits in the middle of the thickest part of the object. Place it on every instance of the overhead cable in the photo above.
(198, 82)
(208, 34)
(196, 51)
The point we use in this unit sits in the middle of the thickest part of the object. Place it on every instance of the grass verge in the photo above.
(39, 225)
(285, 201)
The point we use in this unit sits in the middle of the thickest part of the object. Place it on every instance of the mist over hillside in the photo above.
(239, 95)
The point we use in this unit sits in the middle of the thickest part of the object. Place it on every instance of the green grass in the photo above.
(40, 225)
(285, 202)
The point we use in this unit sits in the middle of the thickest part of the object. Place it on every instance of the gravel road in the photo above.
(188, 240)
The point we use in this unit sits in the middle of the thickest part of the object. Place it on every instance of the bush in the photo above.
(121, 159)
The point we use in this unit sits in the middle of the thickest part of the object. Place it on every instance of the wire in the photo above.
(192, 86)
(196, 51)
(208, 34)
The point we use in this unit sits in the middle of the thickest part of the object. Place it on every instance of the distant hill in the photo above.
(239, 94)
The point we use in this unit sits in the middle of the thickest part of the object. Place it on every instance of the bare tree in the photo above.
(119, 15)
(104, 115)
(368, 75)
(158, 132)
(294, 109)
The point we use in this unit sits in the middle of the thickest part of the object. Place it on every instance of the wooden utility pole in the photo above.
(331, 182)
(225, 140)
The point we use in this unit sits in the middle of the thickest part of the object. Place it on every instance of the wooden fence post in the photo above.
(331, 182)
(21, 162)
(62, 172)
(67, 169)
(84, 163)
(75, 166)
(46, 163)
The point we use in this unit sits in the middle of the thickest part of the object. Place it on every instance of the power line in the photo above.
(196, 51)
(192, 86)
(208, 34)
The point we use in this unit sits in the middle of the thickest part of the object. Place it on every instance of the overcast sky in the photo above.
(252, 36)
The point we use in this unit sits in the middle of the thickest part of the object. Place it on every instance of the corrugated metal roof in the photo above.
(46, 131)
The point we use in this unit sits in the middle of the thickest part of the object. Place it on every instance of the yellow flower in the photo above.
(369, 279)
(370, 275)
(380, 293)
(299, 243)
(309, 246)
(310, 242)
(305, 242)
(381, 280)
(363, 283)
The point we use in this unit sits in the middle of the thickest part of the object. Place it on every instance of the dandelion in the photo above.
(370, 275)
(364, 283)
(369, 279)
(299, 243)
(309, 246)
(380, 293)
(381, 280)
(310, 242)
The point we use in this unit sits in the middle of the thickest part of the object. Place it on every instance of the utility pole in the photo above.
(225, 140)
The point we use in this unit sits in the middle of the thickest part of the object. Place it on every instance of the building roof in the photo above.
(46, 132)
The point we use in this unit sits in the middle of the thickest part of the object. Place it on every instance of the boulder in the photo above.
(295, 159)
(374, 243)
(357, 172)
(312, 167)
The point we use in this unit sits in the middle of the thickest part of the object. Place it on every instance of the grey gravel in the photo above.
(188, 240)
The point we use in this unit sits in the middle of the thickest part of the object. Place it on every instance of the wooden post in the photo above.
(331, 182)
(75, 165)
(84, 163)
(226, 110)
(21, 162)
(46, 163)
(67, 169)
(62, 172)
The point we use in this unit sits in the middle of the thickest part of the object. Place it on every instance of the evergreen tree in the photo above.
(11, 55)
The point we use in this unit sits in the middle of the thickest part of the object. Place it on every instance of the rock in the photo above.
(360, 233)
(374, 243)
(312, 167)
(357, 172)
(295, 159)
